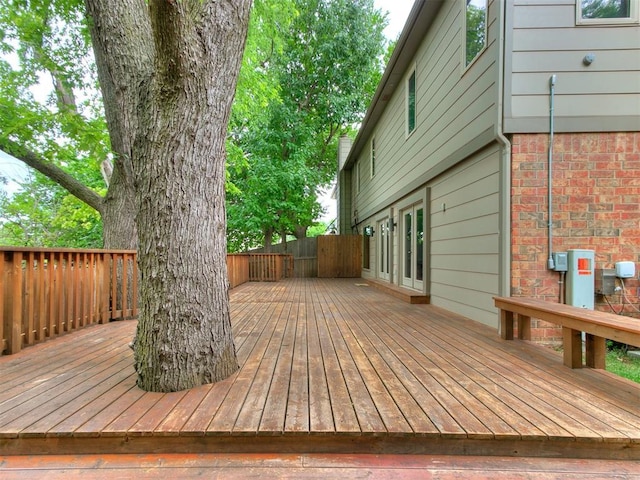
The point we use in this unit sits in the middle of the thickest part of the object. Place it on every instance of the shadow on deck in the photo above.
(327, 366)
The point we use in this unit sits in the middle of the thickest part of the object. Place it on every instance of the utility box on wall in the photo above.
(580, 278)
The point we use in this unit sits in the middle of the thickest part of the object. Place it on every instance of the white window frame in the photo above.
(633, 18)
(466, 65)
(372, 156)
(412, 73)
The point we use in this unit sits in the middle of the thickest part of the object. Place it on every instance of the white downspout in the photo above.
(505, 168)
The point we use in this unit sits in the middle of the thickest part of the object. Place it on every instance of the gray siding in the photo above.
(454, 108)
(465, 239)
(544, 40)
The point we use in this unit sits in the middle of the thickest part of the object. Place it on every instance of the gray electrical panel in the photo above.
(605, 281)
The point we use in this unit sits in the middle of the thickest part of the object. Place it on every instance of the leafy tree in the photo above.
(44, 214)
(476, 35)
(326, 72)
(167, 72)
(52, 119)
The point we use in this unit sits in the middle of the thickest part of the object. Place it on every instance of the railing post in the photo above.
(13, 325)
(4, 287)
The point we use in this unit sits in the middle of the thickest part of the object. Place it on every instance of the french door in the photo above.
(383, 250)
(412, 246)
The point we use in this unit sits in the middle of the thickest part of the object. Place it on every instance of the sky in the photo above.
(398, 13)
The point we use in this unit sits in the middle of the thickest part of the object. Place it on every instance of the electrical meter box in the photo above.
(580, 278)
(560, 261)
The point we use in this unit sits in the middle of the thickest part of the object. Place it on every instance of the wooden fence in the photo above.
(328, 256)
(46, 292)
(339, 256)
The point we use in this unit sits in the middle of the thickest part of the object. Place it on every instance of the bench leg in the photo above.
(596, 349)
(506, 325)
(572, 344)
(524, 327)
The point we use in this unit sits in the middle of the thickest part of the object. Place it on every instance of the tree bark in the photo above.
(268, 239)
(300, 231)
(168, 73)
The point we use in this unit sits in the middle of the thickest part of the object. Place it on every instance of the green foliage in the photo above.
(620, 363)
(49, 103)
(476, 35)
(605, 8)
(309, 71)
(316, 64)
(44, 214)
(317, 230)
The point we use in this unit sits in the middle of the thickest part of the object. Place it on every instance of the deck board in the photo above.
(325, 366)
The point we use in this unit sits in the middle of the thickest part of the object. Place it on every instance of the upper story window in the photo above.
(358, 176)
(475, 29)
(373, 157)
(411, 102)
(606, 12)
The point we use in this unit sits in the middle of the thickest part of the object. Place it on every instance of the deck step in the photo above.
(405, 294)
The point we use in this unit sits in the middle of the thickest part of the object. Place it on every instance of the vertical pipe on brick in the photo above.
(552, 87)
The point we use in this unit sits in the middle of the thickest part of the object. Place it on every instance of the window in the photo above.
(358, 177)
(373, 157)
(606, 11)
(411, 103)
(476, 29)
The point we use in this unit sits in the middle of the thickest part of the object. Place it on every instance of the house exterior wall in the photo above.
(496, 237)
(456, 115)
(452, 156)
(544, 40)
(595, 205)
(465, 232)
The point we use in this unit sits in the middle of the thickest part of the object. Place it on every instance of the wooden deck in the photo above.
(327, 366)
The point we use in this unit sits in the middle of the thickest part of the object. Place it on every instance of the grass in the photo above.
(624, 365)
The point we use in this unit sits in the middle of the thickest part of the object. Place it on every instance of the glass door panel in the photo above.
(413, 247)
(383, 249)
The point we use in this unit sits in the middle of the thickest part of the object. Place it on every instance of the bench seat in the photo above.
(596, 325)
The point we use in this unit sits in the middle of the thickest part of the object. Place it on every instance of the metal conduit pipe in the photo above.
(552, 85)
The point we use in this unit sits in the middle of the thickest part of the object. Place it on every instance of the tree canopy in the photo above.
(309, 69)
(51, 111)
(326, 61)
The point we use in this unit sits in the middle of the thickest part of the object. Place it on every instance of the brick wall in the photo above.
(596, 206)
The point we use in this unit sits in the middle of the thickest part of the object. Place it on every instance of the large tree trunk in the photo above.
(173, 113)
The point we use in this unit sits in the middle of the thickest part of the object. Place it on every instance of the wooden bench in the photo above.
(597, 327)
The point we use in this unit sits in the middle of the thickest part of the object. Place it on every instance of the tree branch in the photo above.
(62, 178)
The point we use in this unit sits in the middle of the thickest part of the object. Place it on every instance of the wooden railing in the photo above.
(258, 267)
(46, 292)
